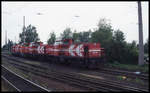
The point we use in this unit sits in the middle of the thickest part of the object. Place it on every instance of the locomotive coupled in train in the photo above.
(65, 51)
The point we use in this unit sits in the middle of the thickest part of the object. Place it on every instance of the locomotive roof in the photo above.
(64, 40)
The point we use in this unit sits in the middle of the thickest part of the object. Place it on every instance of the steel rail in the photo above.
(21, 83)
(126, 73)
(10, 84)
(65, 79)
(103, 82)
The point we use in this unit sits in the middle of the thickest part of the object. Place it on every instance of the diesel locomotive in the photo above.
(89, 55)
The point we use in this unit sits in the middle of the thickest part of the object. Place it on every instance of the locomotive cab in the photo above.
(57, 43)
(64, 42)
(67, 41)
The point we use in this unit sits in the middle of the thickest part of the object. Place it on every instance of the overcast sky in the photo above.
(56, 16)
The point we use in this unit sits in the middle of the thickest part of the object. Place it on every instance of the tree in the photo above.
(103, 23)
(67, 33)
(131, 53)
(82, 36)
(122, 52)
(76, 36)
(119, 36)
(113, 42)
(52, 38)
(118, 46)
(85, 36)
(29, 35)
(8, 45)
(103, 34)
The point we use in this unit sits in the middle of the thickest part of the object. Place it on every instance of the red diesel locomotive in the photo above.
(65, 51)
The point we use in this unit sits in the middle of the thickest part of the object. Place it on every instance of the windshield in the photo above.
(57, 43)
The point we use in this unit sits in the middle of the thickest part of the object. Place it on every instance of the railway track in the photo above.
(125, 73)
(20, 60)
(74, 79)
(19, 83)
(104, 70)
(64, 78)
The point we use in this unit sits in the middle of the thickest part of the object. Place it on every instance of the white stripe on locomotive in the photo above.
(78, 50)
(71, 50)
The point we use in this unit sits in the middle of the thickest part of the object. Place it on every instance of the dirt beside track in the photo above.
(47, 83)
(61, 86)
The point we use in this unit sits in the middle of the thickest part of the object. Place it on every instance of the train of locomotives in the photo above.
(89, 55)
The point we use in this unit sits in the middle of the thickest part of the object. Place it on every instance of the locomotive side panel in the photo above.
(56, 50)
(94, 50)
(85, 54)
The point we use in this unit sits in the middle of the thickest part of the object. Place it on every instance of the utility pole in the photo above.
(6, 37)
(141, 47)
(15, 39)
(24, 29)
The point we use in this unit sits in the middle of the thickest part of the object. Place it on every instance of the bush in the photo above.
(143, 68)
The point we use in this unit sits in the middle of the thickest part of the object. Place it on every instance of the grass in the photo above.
(5, 87)
(119, 77)
(128, 79)
(143, 68)
(137, 80)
